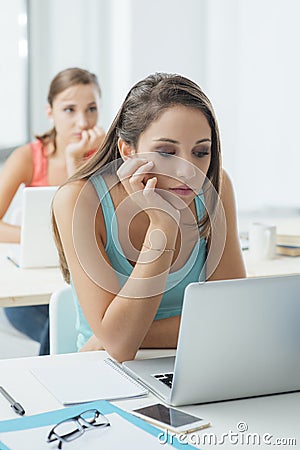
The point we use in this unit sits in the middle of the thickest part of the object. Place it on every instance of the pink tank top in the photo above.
(40, 164)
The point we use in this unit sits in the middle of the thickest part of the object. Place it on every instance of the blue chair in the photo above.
(62, 319)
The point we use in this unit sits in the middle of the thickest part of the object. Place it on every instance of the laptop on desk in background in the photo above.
(238, 338)
(37, 247)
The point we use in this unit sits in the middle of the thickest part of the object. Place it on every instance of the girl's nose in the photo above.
(82, 121)
(185, 169)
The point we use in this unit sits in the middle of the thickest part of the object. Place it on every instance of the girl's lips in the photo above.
(182, 190)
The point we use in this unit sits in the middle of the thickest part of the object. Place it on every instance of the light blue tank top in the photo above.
(172, 299)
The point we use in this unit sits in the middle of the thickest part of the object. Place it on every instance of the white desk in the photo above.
(277, 415)
(280, 265)
(20, 287)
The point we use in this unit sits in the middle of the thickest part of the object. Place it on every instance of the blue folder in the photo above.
(52, 417)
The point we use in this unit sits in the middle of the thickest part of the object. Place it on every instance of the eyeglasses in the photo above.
(69, 429)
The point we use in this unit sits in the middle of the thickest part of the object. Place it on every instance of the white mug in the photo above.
(262, 241)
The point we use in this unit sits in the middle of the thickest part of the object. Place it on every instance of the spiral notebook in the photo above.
(96, 380)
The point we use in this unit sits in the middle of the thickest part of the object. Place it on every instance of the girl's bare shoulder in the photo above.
(22, 154)
(19, 165)
(75, 193)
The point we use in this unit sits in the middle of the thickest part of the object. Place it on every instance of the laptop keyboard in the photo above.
(166, 378)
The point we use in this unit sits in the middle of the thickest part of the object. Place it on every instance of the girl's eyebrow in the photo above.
(172, 141)
(203, 140)
(66, 103)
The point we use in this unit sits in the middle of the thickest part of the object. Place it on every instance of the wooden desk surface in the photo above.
(276, 416)
(20, 287)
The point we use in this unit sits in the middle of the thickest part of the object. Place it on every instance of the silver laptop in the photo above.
(37, 247)
(237, 339)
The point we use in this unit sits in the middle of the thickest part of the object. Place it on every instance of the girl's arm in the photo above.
(229, 264)
(18, 169)
(161, 334)
(119, 318)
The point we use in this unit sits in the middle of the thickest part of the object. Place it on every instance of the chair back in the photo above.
(62, 319)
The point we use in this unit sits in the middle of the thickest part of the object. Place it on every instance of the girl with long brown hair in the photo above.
(149, 213)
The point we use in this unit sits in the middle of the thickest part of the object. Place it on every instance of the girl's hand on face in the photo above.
(135, 177)
(77, 151)
(90, 139)
(93, 137)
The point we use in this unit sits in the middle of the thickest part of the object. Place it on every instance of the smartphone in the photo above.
(171, 418)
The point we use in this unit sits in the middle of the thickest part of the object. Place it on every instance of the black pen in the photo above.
(14, 405)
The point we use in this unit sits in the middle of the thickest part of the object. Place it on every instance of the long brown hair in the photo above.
(65, 79)
(145, 103)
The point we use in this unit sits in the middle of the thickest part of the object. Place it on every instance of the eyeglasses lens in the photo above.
(69, 430)
(72, 428)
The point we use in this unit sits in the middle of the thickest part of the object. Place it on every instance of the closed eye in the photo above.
(166, 154)
(201, 154)
(201, 151)
(166, 150)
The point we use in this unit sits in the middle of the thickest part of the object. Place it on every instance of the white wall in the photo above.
(120, 40)
(65, 34)
(13, 73)
(253, 73)
(243, 53)
(168, 36)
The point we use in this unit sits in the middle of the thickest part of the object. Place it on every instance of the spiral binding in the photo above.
(121, 371)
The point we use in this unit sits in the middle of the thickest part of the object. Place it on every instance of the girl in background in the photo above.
(151, 212)
(73, 107)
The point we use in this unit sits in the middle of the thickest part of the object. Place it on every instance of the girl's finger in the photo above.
(92, 135)
(84, 136)
(150, 185)
(137, 178)
(143, 169)
(130, 166)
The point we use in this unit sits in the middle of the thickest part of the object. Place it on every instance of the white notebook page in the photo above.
(79, 383)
